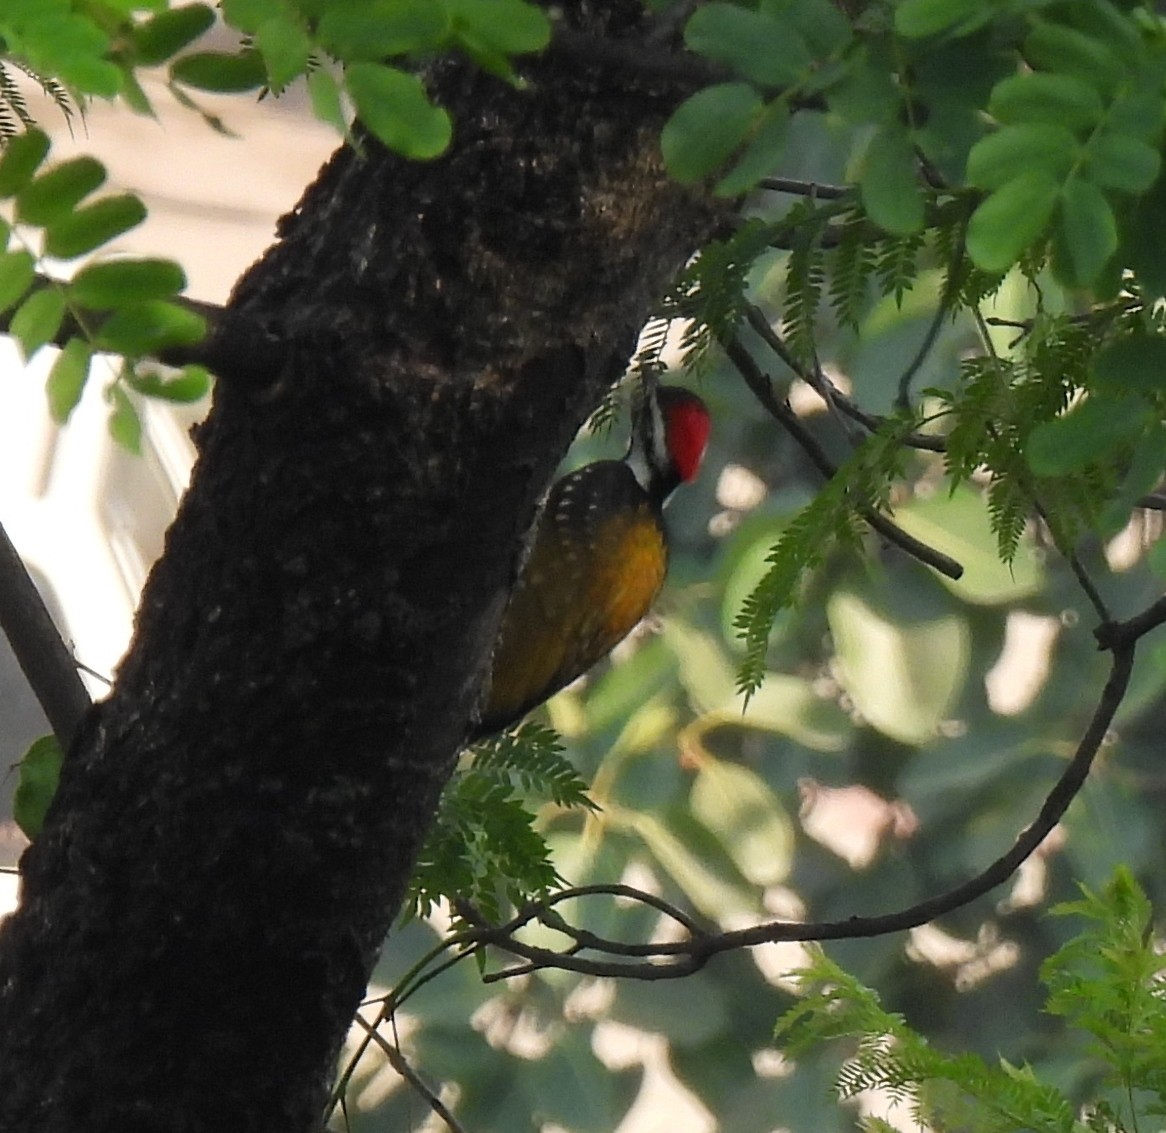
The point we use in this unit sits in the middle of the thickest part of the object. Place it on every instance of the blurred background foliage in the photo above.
(908, 728)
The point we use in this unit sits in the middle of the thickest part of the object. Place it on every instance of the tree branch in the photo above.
(762, 388)
(236, 347)
(43, 656)
(811, 189)
(644, 59)
(815, 377)
(675, 959)
(400, 1064)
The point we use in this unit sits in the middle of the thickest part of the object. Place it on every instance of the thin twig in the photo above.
(42, 654)
(819, 381)
(420, 974)
(762, 389)
(950, 287)
(398, 1062)
(811, 189)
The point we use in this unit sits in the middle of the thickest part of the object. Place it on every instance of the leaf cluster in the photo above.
(1106, 983)
(828, 523)
(483, 847)
(119, 306)
(97, 48)
(1047, 119)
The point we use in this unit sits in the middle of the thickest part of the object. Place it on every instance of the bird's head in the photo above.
(670, 433)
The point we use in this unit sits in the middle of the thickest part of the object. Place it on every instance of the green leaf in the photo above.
(92, 226)
(1136, 363)
(1008, 222)
(117, 283)
(396, 108)
(250, 15)
(706, 129)
(1067, 51)
(1118, 161)
(40, 770)
(143, 328)
(192, 384)
(1143, 472)
(960, 525)
(694, 871)
(125, 426)
(220, 72)
(374, 31)
(133, 94)
(743, 812)
(916, 19)
(889, 184)
(903, 672)
(54, 193)
(1087, 228)
(1094, 429)
(1041, 96)
(1144, 241)
(17, 271)
(66, 380)
(72, 48)
(825, 29)
(37, 320)
(1015, 151)
(866, 92)
(511, 27)
(324, 91)
(762, 154)
(286, 48)
(768, 51)
(166, 33)
(1139, 111)
(20, 159)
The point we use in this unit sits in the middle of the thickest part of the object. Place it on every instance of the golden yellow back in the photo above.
(597, 563)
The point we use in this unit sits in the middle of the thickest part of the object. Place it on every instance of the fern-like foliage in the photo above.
(531, 757)
(483, 846)
(897, 266)
(15, 116)
(1107, 982)
(711, 291)
(805, 283)
(1110, 982)
(606, 413)
(649, 357)
(852, 265)
(995, 408)
(830, 521)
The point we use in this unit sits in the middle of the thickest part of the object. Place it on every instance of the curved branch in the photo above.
(821, 384)
(762, 388)
(44, 658)
(674, 959)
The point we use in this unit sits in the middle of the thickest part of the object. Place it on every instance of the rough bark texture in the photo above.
(236, 824)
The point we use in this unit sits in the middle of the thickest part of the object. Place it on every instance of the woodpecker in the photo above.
(597, 560)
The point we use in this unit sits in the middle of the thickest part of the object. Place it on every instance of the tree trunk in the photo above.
(236, 824)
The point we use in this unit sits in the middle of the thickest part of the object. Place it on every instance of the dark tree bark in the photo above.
(236, 824)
